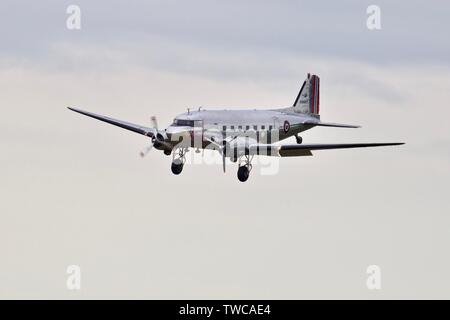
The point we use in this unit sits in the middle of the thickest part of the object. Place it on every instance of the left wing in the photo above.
(296, 150)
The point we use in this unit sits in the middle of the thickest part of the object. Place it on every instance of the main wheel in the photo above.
(167, 152)
(243, 173)
(299, 139)
(177, 166)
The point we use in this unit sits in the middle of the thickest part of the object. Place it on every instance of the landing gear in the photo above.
(167, 152)
(244, 169)
(177, 166)
(299, 139)
(243, 173)
(178, 161)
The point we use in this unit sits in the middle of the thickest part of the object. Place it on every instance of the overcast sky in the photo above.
(75, 191)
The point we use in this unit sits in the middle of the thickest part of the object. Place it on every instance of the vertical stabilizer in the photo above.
(308, 99)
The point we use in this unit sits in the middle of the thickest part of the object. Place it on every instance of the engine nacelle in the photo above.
(160, 137)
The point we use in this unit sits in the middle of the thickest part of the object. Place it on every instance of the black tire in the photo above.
(243, 173)
(299, 139)
(167, 152)
(177, 167)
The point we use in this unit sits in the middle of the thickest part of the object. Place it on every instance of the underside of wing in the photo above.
(298, 150)
(119, 123)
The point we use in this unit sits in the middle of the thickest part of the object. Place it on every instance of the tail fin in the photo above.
(308, 99)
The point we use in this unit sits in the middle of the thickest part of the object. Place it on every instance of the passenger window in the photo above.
(224, 128)
(232, 127)
(263, 127)
(240, 127)
(247, 127)
(270, 128)
(255, 127)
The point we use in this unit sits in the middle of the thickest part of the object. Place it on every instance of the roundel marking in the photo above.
(286, 126)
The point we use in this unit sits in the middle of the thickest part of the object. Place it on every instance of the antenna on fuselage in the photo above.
(189, 110)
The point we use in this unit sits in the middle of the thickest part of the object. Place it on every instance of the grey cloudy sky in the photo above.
(74, 191)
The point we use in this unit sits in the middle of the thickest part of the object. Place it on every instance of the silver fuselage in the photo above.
(258, 126)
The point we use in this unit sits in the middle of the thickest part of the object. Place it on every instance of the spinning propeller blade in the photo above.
(154, 128)
(223, 160)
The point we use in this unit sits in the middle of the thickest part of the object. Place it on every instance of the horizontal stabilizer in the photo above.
(329, 124)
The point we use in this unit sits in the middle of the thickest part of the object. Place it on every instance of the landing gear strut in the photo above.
(244, 169)
(299, 139)
(178, 161)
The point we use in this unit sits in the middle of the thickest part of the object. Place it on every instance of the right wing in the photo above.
(119, 123)
(297, 150)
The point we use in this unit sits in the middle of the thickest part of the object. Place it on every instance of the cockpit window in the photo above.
(183, 123)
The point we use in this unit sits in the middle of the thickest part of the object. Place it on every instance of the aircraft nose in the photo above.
(178, 133)
(176, 129)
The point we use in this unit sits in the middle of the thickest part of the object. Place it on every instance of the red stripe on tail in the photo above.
(312, 90)
(318, 94)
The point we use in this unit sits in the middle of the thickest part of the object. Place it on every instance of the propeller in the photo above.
(223, 156)
(223, 149)
(154, 122)
(144, 152)
(219, 147)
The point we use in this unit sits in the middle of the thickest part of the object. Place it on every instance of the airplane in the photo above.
(241, 134)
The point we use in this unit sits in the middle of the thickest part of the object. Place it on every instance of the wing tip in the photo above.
(74, 109)
(390, 143)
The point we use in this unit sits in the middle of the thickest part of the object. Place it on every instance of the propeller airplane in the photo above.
(240, 134)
